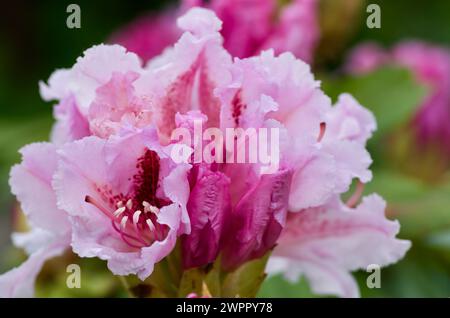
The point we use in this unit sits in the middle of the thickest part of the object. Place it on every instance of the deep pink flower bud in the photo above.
(257, 220)
(208, 205)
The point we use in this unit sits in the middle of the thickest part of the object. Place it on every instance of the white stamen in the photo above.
(154, 209)
(123, 222)
(146, 206)
(129, 204)
(136, 216)
(150, 225)
(119, 211)
(119, 204)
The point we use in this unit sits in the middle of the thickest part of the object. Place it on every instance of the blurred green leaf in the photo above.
(159, 284)
(390, 93)
(15, 134)
(420, 208)
(406, 19)
(191, 282)
(440, 239)
(440, 242)
(96, 279)
(277, 286)
(422, 273)
(246, 280)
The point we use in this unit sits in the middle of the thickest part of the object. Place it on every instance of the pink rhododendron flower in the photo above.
(129, 204)
(109, 185)
(431, 66)
(293, 27)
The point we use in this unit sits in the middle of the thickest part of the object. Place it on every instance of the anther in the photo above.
(136, 216)
(123, 222)
(150, 225)
(146, 206)
(129, 204)
(119, 211)
(99, 206)
(323, 127)
(356, 196)
(154, 209)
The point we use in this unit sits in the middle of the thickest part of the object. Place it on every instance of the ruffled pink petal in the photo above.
(325, 243)
(351, 160)
(91, 71)
(314, 181)
(116, 106)
(31, 182)
(300, 104)
(70, 123)
(348, 120)
(184, 78)
(34, 239)
(19, 282)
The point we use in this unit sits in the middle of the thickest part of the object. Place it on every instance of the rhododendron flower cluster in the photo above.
(106, 185)
(431, 66)
(289, 27)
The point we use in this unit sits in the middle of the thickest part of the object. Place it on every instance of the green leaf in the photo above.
(278, 286)
(246, 280)
(440, 239)
(16, 134)
(191, 282)
(420, 208)
(390, 93)
(95, 279)
(422, 273)
(213, 278)
(163, 282)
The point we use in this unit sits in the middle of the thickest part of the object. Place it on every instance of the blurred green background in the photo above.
(34, 41)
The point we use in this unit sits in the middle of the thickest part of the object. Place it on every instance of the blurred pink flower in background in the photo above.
(149, 35)
(249, 26)
(431, 66)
